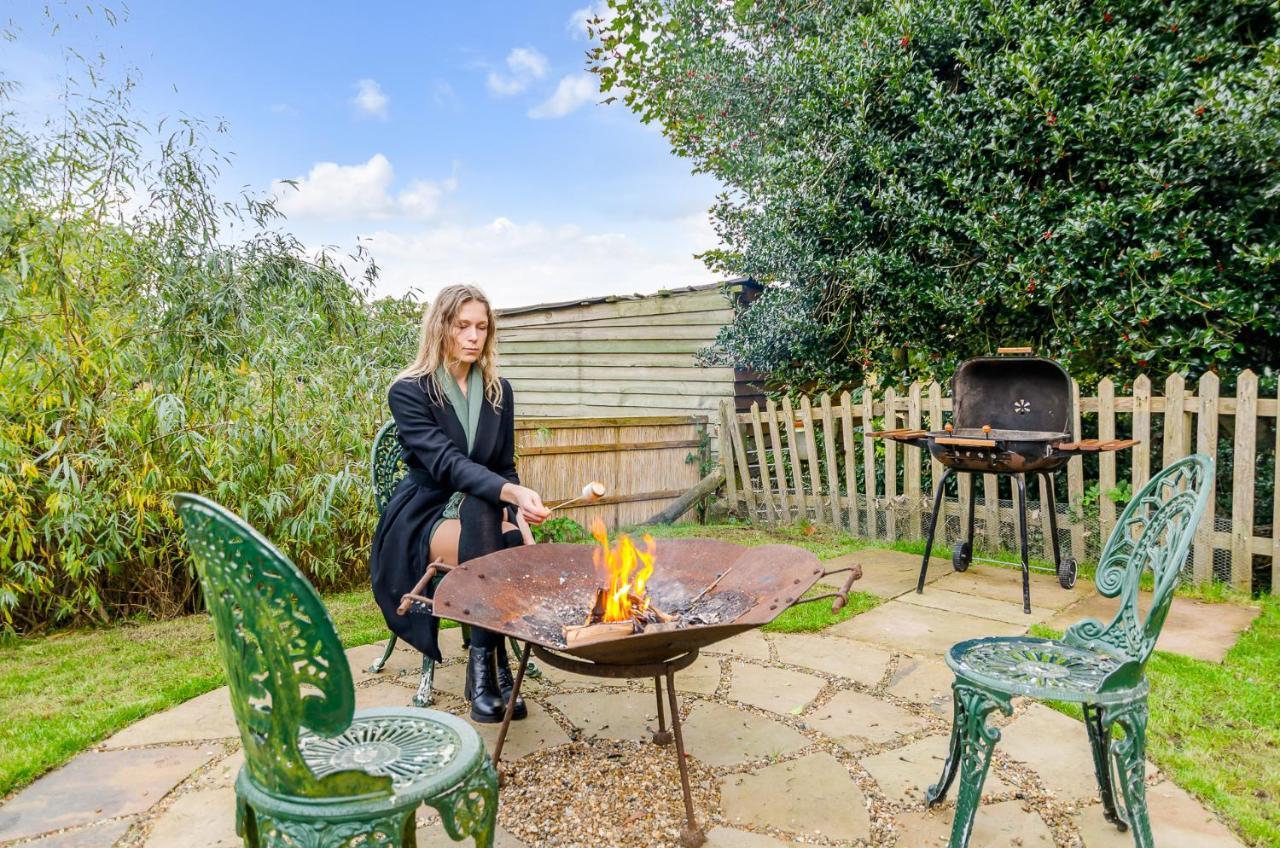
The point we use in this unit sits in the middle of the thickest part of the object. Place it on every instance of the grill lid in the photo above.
(1012, 393)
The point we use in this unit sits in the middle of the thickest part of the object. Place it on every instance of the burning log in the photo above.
(586, 634)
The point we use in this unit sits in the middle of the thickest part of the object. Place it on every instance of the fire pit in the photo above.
(689, 594)
(1013, 416)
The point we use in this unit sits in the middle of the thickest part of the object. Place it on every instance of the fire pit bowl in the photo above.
(532, 593)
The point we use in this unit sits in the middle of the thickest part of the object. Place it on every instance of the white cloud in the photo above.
(522, 263)
(577, 23)
(370, 100)
(361, 192)
(572, 92)
(524, 65)
(442, 94)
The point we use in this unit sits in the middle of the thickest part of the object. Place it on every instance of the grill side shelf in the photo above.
(1096, 445)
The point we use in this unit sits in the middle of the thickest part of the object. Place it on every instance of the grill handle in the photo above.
(841, 597)
(416, 596)
(1008, 351)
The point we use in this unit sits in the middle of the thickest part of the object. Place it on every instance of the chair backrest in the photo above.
(386, 468)
(1154, 532)
(284, 663)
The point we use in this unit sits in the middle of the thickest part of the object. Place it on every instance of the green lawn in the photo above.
(1214, 728)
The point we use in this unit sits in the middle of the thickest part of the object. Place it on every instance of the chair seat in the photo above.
(1039, 668)
(423, 751)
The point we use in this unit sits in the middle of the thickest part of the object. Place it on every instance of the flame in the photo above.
(625, 570)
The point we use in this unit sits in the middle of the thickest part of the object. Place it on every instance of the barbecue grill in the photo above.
(712, 589)
(1012, 415)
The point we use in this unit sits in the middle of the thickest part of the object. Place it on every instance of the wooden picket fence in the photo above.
(818, 461)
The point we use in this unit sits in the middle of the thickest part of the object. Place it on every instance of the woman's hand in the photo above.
(528, 501)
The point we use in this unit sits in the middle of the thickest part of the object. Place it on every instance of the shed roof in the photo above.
(615, 298)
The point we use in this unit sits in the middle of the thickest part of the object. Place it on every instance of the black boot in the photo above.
(487, 705)
(506, 684)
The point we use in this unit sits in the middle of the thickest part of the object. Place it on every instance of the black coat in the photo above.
(434, 448)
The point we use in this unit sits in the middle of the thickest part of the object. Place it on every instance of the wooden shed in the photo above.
(624, 355)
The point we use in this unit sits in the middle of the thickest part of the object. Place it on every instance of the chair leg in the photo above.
(387, 829)
(1100, 745)
(471, 808)
(424, 696)
(1130, 757)
(380, 664)
(972, 742)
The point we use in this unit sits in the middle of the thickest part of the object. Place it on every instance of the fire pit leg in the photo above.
(692, 836)
(1021, 482)
(511, 708)
(662, 736)
(933, 526)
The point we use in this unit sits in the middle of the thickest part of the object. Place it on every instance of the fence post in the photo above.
(1207, 443)
(935, 467)
(829, 448)
(1175, 394)
(850, 460)
(912, 464)
(766, 484)
(797, 475)
(740, 454)
(869, 454)
(1075, 481)
(726, 454)
(1106, 459)
(779, 469)
(1243, 475)
(1141, 431)
(890, 465)
(814, 492)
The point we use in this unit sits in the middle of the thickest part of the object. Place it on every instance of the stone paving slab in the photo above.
(886, 573)
(102, 835)
(750, 644)
(978, 606)
(535, 732)
(1006, 823)
(1193, 628)
(1005, 584)
(719, 735)
(1057, 747)
(702, 678)
(865, 664)
(813, 795)
(919, 630)
(612, 715)
(926, 681)
(206, 716)
(775, 689)
(903, 774)
(98, 785)
(431, 832)
(205, 818)
(857, 720)
(727, 837)
(1177, 821)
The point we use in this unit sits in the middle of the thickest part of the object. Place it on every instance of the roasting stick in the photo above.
(593, 491)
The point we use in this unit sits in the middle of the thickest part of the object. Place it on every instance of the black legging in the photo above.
(480, 534)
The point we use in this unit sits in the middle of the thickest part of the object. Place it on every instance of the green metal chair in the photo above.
(1099, 666)
(386, 469)
(317, 772)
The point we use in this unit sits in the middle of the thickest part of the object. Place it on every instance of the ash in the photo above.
(547, 626)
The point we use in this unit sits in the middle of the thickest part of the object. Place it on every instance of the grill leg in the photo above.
(663, 736)
(511, 708)
(692, 835)
(1053, 518)
(973, 503)
(933, 526)
(1021, 482)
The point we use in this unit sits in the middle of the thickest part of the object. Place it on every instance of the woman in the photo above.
(456, 422)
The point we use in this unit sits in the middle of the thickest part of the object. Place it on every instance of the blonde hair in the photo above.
(433, 343)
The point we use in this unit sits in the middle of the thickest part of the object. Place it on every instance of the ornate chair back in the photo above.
(284, 663)
(1154, 532)
(386, 468)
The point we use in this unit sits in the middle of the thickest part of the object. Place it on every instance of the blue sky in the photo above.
(460, 143)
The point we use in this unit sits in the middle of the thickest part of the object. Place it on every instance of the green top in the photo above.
(470, 420)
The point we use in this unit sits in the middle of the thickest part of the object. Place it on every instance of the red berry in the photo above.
(1107, 17)
(906, 40)
(1048, 234)
(1050, 118)
(1199, 110)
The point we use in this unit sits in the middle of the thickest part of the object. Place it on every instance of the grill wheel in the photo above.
(961, 556)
